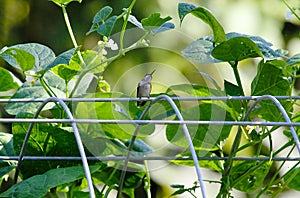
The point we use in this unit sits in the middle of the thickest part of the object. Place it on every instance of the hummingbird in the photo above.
(144, 88)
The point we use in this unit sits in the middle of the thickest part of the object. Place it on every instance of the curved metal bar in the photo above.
(187, 135)
(77, 136)
(283, 112)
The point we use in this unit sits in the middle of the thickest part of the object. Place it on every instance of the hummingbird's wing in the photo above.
(138, 91)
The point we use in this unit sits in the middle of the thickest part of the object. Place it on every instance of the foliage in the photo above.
(72, 73)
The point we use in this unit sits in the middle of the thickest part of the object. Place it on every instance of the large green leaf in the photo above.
(270, 80)
(29, 56)
(205, 137)
(63, 58)
(109, 111)
(156, 24)
(45, 140)
(18, 58)
(249, 175)
(38, 185)
(205, 15)
(236, 49)
(6, 81)
(28, 91)
(200, 50)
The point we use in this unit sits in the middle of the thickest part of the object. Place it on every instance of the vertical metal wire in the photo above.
(187, 135)
(283, 112)
(77, 136)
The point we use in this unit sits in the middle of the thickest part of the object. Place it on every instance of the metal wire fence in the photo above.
(138, 122)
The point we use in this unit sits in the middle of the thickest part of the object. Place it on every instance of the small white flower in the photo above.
(112, 45)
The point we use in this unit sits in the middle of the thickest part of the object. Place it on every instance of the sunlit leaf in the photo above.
(236, 49)
(270, 80)
(63, 58)
(206, 16)
(29, 56)
(18, 58)
(38, 185)
(6, 81)
(154, 21)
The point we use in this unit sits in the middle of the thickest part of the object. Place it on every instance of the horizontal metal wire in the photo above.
(146, 99)
(150, 158)
(161, 122)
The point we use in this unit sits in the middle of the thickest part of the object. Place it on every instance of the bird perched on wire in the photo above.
(144, 88)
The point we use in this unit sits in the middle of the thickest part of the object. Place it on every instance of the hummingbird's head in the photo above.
(148, 77)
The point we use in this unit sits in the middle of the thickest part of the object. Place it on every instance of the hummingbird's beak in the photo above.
(152, 72)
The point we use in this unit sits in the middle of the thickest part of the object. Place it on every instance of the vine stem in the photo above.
(125, 25)
(237, 75)
(291, 9)
(69, 27)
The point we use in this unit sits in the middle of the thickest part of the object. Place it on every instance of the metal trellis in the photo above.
(140, 121)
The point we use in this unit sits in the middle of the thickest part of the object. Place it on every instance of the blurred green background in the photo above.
(41, 21)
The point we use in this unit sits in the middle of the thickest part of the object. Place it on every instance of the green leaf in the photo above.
(232, 89)
(206, 16)
(200, 51)
(249, 175)
(155, 24)
(93, 61)
(63, 58)
(103, 14)
(236, 49)
(45, 140)
(6, 170)
(18, 58)
(154, 21)
(270, 80)
(108, 111)
(6, 144)
(42, 56)
(293, 179)
(106, 28)
(263, 45)
(66, 72)
(6, 81)
(140, 148)
(64, 2)
(38, 185)
(28, 91)
(164, 27)
(205, 137)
